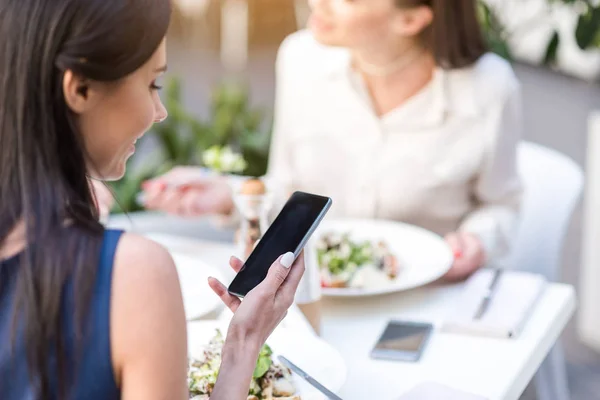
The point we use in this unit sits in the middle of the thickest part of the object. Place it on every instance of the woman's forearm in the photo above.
(235, 373)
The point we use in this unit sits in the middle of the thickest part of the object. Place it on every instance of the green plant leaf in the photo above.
(484, 12)
(493, 30)
(223, 124)
(552, 49)
(253, 119)
(587, 32)
(202, 135)
(173, 93)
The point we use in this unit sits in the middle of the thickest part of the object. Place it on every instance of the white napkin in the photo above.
(436, 391)
(512, 302)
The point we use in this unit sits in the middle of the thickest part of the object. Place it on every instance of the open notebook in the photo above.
(513, 301)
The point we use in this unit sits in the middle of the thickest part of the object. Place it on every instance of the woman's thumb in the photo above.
(280, 270)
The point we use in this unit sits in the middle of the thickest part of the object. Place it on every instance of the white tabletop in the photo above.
(498, 369)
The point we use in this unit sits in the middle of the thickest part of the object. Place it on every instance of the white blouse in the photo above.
(444, 160)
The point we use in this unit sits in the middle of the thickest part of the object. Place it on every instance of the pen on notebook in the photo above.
(487, 299)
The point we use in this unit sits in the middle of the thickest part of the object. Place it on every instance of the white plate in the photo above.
(307, 351)
(216, 254)
(198, 297)
(424, 256)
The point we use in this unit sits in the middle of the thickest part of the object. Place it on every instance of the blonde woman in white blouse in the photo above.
(395, 110)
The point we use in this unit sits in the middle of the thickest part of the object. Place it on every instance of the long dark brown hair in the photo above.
(455, 36)
(43, 180)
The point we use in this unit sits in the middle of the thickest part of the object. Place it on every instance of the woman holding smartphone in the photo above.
(89, 313)
(394, 109)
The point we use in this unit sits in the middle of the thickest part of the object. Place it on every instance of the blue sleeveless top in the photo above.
(94, 377)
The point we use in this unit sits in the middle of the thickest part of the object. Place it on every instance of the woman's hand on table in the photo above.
(469, 255)
(188, 192)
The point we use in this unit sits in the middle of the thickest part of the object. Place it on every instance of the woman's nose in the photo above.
(161, 113)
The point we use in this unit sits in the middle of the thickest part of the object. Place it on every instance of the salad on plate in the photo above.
(347, 263)
(270, 381)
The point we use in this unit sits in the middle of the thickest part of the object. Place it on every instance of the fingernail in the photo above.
(287, 260)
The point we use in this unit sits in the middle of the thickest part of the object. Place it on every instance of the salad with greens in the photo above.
(270, 381)
(344, 262)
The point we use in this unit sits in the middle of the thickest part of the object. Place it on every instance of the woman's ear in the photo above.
(412, 21)
(78, 93)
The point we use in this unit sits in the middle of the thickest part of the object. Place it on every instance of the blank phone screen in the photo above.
(285, 234)
(403, 337)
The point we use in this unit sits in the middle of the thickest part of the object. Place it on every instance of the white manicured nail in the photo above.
(287, 260)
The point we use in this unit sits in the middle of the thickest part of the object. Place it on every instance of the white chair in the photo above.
(553, 185)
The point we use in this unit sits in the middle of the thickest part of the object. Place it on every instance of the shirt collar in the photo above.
(449, 92)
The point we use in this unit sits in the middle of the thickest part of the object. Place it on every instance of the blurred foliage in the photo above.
(182, 138)
(234, 123)
(588, 28)
(587, 31)
(493, 30)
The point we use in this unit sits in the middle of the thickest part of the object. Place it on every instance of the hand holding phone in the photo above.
(255, 318)
(289, 232)
(264, 308)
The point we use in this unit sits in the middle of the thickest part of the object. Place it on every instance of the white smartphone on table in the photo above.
(402, 341)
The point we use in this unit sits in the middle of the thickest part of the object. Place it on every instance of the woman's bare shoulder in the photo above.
(148, 331)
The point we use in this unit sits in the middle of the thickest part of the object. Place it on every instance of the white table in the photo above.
(498, 369)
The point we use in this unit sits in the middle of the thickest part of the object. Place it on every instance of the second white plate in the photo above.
(424, 256)
(198, 297)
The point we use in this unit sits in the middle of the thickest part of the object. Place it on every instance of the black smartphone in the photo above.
(289, 232)
(402, 341)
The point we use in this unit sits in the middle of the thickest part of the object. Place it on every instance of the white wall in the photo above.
(589, 310)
